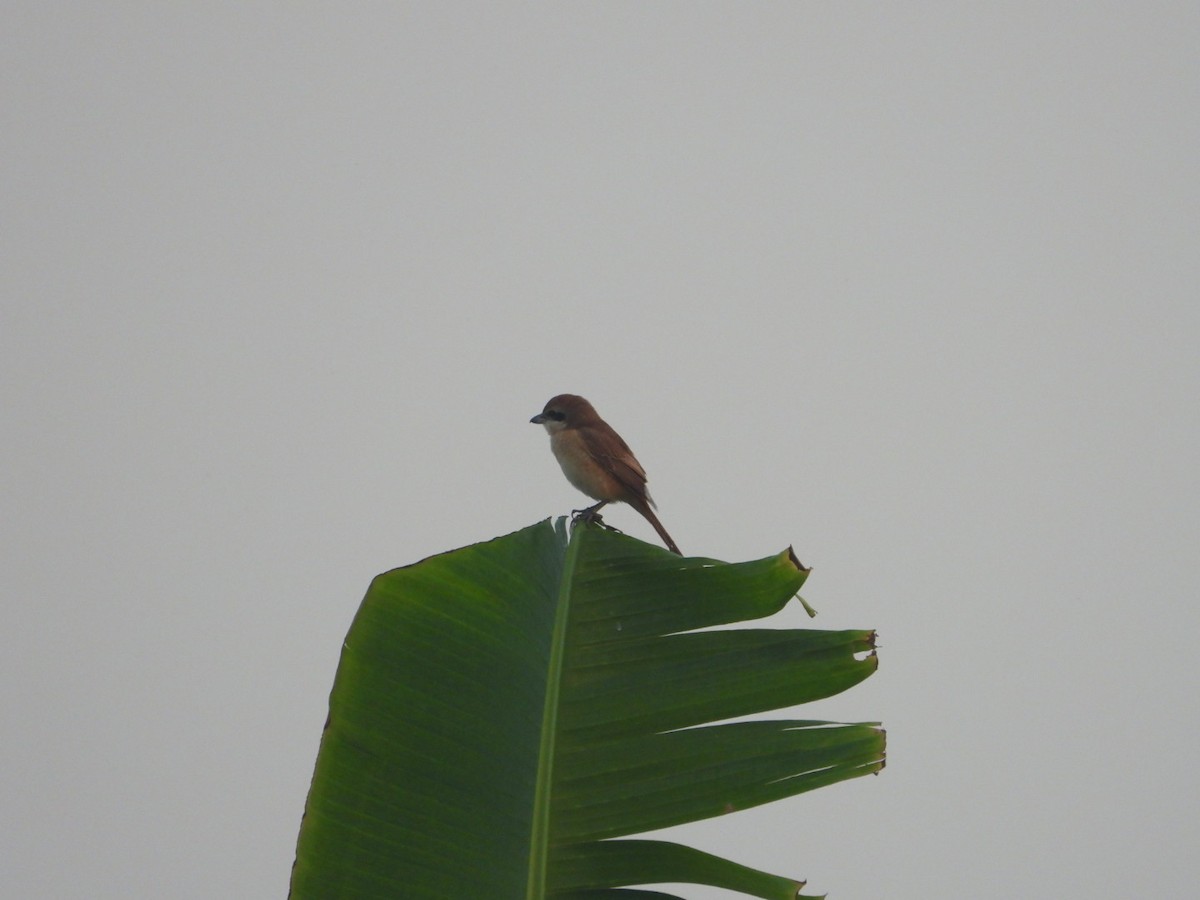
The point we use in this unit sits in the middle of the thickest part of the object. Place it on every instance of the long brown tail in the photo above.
(644, 508)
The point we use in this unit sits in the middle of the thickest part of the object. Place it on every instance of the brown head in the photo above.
(565, 411)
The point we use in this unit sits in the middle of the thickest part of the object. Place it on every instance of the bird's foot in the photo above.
(592, 516)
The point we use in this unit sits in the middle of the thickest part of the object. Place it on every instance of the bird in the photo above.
(596, 460)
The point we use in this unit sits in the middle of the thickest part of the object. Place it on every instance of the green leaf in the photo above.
(500, 711)
(613, 863)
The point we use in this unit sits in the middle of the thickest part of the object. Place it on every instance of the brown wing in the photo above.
(614, 456)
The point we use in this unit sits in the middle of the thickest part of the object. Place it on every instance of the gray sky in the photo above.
(911, 287)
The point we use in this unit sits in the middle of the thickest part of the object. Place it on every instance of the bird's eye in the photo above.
(556, 415)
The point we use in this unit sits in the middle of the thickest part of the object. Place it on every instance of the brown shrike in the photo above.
(596, 460)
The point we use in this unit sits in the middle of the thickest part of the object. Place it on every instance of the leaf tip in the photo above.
(790, 555)
(795, 561)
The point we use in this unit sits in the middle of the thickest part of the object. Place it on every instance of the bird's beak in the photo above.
(538, 419)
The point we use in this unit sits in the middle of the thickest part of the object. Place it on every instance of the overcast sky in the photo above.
(911, 287)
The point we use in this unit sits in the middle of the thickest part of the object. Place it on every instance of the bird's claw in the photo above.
(592, 517)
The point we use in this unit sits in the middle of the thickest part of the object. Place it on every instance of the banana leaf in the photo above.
(506, 715)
